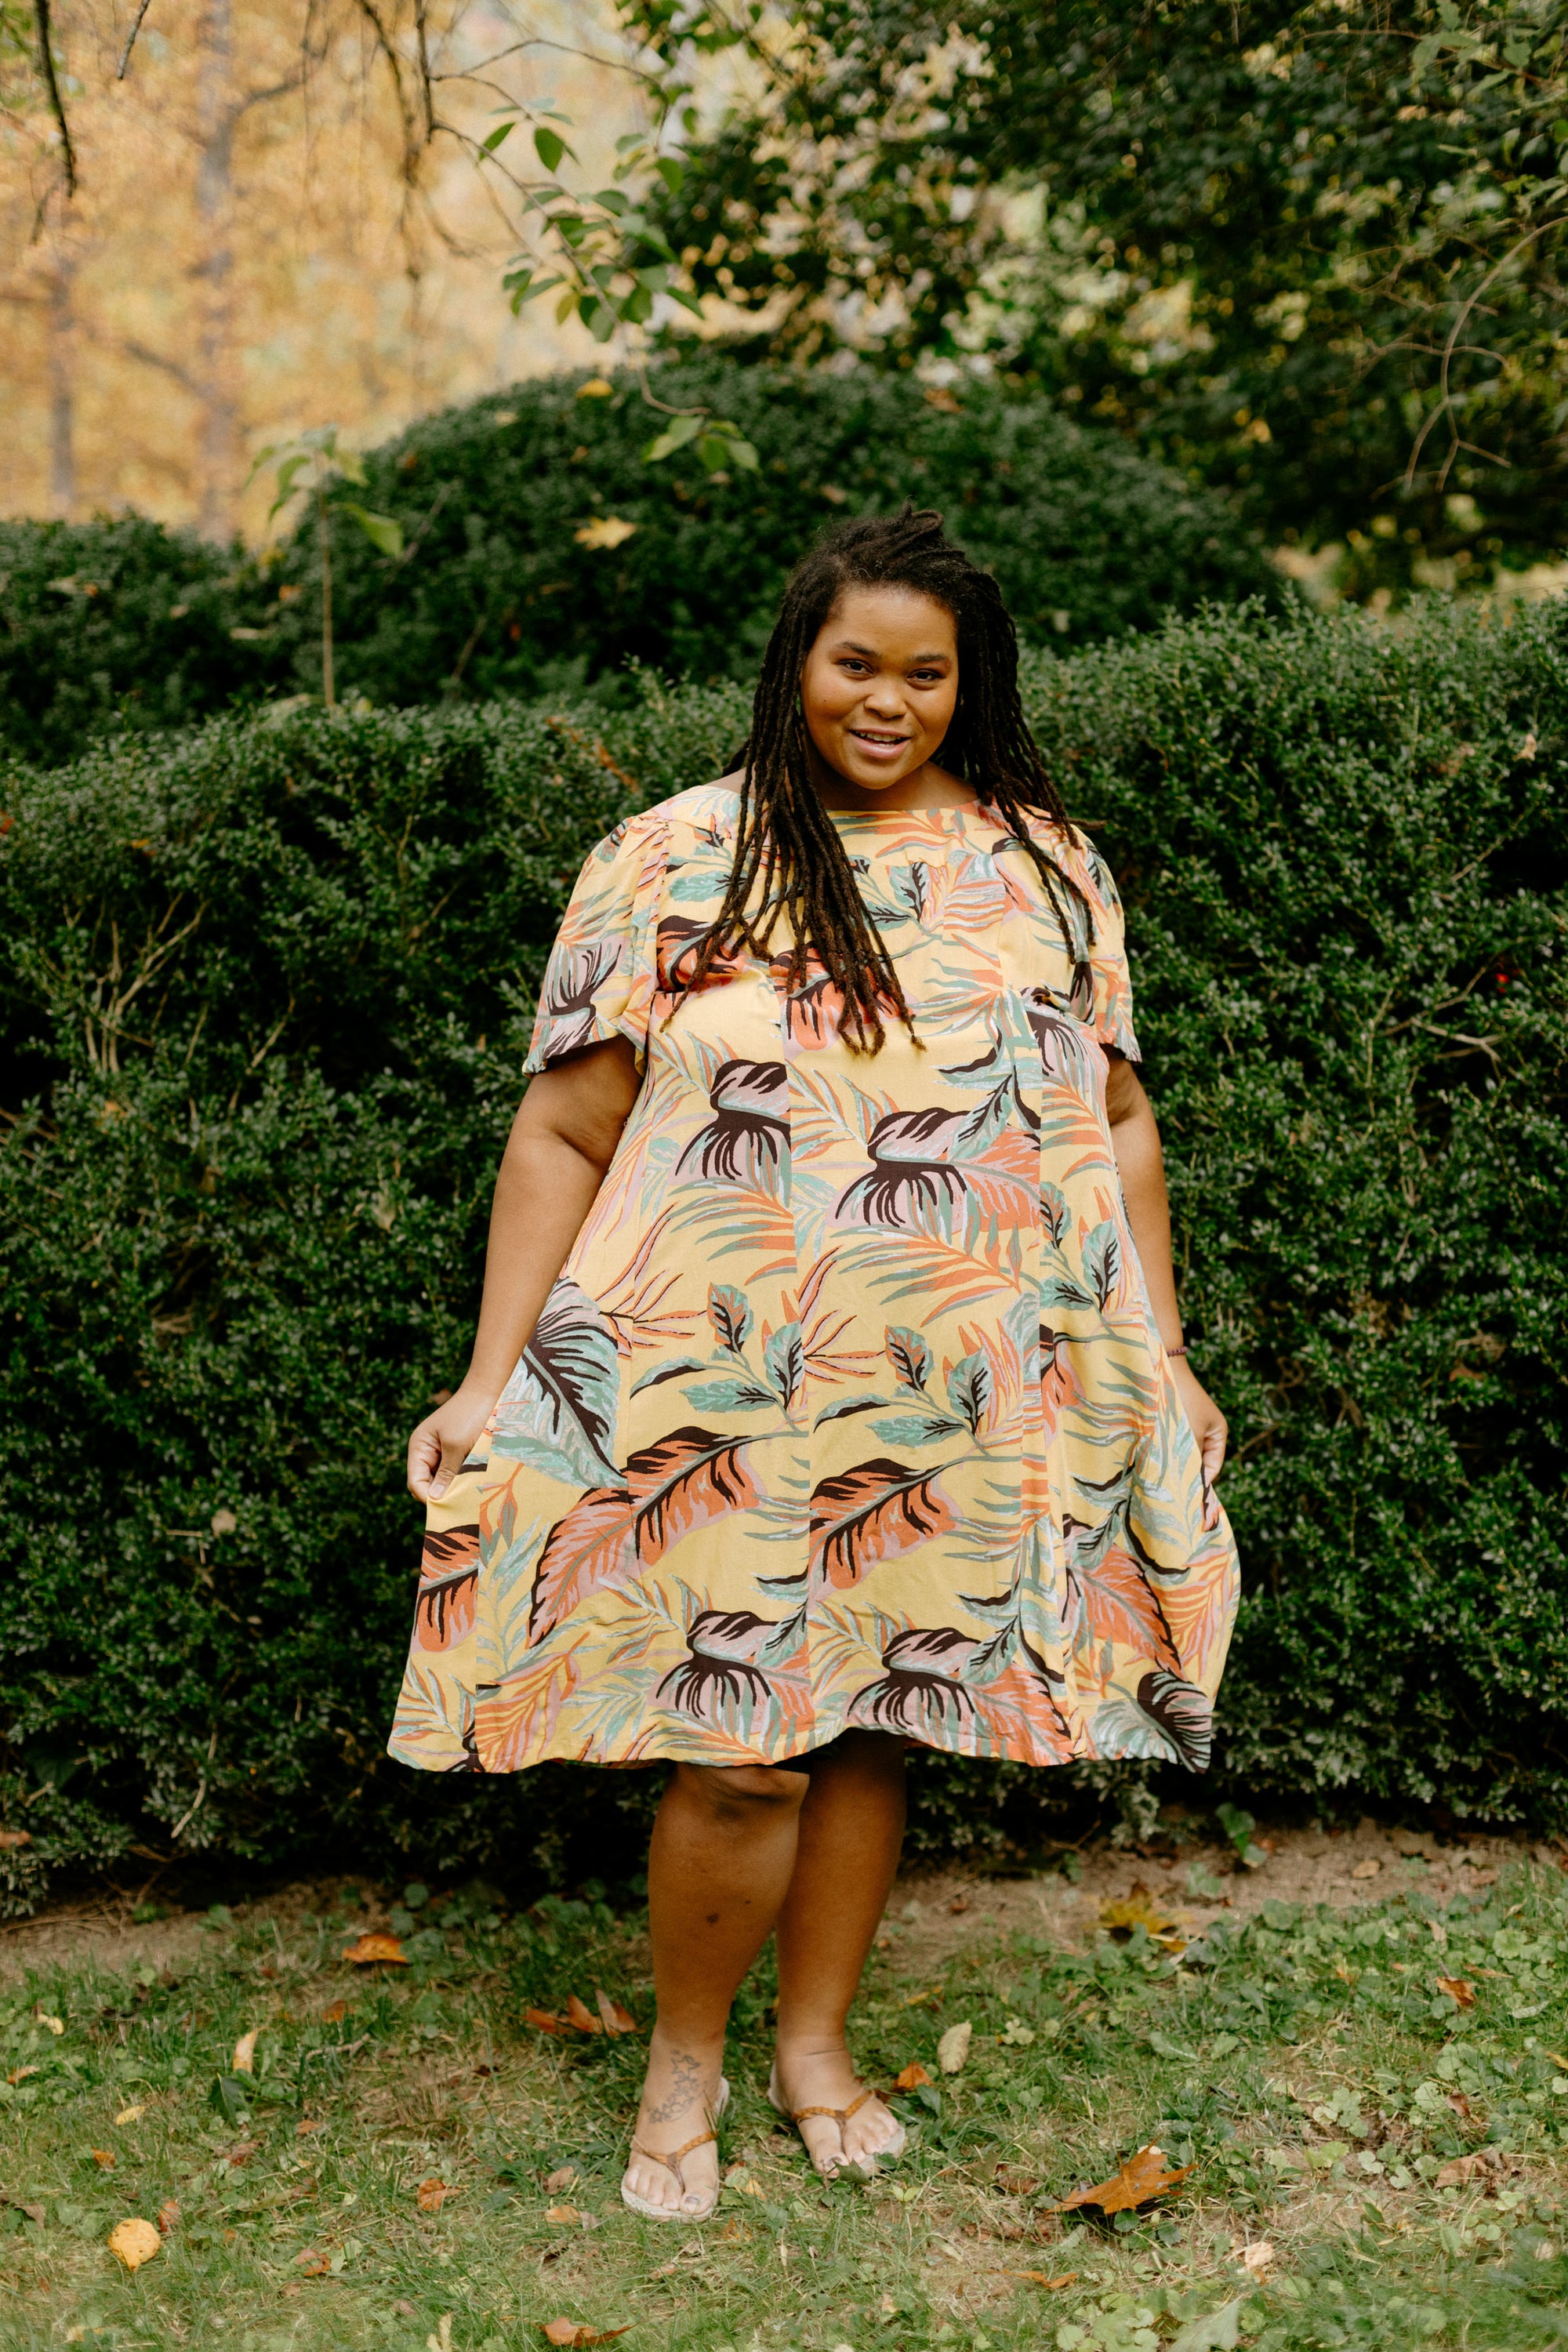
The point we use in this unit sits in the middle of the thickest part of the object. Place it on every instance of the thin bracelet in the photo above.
(1171, 1353)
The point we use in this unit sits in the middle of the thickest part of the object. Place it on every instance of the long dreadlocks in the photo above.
(789, 858)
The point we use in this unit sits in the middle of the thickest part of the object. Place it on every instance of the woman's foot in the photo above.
(824, 2076)
(681, 2100)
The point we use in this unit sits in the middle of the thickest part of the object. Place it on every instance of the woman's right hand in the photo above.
(441, 1444)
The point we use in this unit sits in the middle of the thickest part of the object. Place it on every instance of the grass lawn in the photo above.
(1392, 2161)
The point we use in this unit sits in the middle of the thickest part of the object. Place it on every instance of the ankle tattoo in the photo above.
(685, 2090)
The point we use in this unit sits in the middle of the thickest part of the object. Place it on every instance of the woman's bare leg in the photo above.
(722, 1853)
(851, 1829)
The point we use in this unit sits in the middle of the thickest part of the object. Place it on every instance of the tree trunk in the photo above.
(62, 387)
(215, 117)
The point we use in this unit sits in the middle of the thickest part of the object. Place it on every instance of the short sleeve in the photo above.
(599, 982)
(1110, 1012)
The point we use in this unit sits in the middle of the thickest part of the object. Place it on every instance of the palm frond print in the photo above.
(847, 1409)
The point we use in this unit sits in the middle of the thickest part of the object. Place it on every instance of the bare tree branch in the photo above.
(130, 39)
(52, 88)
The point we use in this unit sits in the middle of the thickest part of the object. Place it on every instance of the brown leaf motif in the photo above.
(877, 1511)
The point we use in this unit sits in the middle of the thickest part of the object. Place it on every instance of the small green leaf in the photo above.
(601, 325)
(550, 147)
(612, 201)
(350, 468)
(382, 530)
(672, 173)
(502, 130)
(674, 436)
(714, 450)
(741, 453)
(637, 306)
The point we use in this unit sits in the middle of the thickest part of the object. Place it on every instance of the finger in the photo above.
(452, 1460)
(1216, 1440)
(424, 1460)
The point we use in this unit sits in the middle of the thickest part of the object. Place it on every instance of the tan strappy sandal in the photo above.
(673, 2161)
(864, 2167)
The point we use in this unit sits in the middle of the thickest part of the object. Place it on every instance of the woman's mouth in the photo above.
(879, 743)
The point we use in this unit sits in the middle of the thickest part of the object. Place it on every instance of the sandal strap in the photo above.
(840, 2115)
(672, 2162)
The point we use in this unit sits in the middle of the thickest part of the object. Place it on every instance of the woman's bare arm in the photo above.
(1141, 1164)
(562, 1142)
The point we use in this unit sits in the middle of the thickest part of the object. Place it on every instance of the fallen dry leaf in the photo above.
(51, 2024)
(313, 2264)
(431, 2195)
(581, 2016)
(1367, 1869)
(135, 2242)
(334, 2012)
(960, 1903)
(244, 2059)
(605, 531)
(1457, 1989)
(544, 2021)
(912, 2077)
(571, 2331)
(309, 2123)
(1138, 1908)
(561, 2177)
(918, 1999)
(953, 2048)
(105, 2156)
(1044, 2278)
(612, 2016)
(20, 2073)
(169, 2215)
(1470, 2168)
(377, 1951)
(564, 2214)
(131, 2115)
(1145, 2175)
(1257, 2258)
(241, 2152)
(9, 1838)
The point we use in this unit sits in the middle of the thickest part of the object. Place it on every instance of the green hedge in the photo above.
(262, 1005)
(111, 627)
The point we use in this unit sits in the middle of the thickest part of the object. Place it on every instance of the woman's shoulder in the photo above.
(1071, 847)
(702, 813)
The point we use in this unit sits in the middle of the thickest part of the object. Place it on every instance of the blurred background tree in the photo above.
(1308, 254)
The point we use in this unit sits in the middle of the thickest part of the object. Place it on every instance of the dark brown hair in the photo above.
(789, 858)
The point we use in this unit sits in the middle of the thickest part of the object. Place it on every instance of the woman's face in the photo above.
(879, 685)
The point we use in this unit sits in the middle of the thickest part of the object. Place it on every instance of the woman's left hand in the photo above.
(1208, 1426)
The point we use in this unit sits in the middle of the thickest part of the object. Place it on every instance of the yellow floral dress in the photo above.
(848, 1409)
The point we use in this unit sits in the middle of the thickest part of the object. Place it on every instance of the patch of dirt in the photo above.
(102, 1927)
(934, 1914)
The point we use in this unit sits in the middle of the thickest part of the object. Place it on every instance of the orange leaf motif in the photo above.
(1145, 2175)
(377, 1951)
(431, 2195)
(877, 1511)
(911, 2077)
(571, 2331)
(614, 2018)
(581, 2016)
(1459, 1990)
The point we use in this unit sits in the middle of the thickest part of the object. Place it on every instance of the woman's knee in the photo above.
(744, 1791)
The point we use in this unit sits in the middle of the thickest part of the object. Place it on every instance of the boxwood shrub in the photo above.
(110, 627)
(263, 993)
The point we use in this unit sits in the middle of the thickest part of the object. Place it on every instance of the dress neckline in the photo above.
(940, 814)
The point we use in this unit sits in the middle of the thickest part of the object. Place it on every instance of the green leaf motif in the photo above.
(550, 147)
(502, 130)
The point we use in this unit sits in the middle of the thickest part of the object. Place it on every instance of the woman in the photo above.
(829, 1392)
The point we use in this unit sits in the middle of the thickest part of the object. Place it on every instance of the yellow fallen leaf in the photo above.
(1368, 1869)
(1138, 1908)
(598, 387)
(1145, 2175)
(605, 531)
(135, 2242)
(244, 2059)
(370, 1951)
(1257, 2258)
(131, 2115)
(562, 2213)
(53, 2024)
(1044, 2279)
(104, 2158)
(953, 2048)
